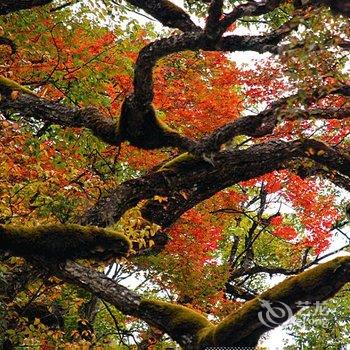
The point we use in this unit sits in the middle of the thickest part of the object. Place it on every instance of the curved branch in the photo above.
(130, 193)
(191, 329)
(264, 122)
(179, 322)
(235, 166)
(166, 13)
(212, 29)
(309, 170)
(140, 125)
(199, 180)
(150, 54)
(251, 8)
(244, 327)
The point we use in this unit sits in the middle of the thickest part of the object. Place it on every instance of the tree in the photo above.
(328, 327)
(99, 165)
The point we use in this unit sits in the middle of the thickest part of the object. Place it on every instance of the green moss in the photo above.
(166, 129)
(231, 326)
(309, 281)
(142, 128)
(62, 242)
(180, 161)
(177, 319)
(12, 85)
(315, 284)
(205, 337)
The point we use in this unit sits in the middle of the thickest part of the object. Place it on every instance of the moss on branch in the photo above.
(142, 128)
(193, 330)
(178, 321)
(63, 242)
(11, 85)
(243, 328)
(184, 160)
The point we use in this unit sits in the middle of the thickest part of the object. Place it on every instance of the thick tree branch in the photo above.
(167, 13)
(150, 54)
(244, 327)
(130, 193)
(192, 330)
(137, 130)
(179, 322)
(234, 166)
(200, 180)
(259, 43)
(212, 29)
(264, 122)
(138, 122)
(62, 242)
(184, 181)
(337, 179)
(140, 125)
(34, 108)
(316, 113)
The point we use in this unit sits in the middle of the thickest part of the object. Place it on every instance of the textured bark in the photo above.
(212, 30)
(190, 329)
(244, 328)
(33, 108)
(201, 179)
(164, 316)
(185, 181)
(150, 54)
(166, 13)
(230, 168)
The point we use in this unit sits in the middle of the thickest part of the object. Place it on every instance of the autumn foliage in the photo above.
(215, 255)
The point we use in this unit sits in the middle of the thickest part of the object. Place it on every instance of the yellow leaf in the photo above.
(160, 199)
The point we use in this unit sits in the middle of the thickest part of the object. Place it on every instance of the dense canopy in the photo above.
(153, 177)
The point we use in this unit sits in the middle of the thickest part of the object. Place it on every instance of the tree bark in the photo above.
(241, 328)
